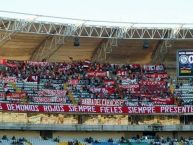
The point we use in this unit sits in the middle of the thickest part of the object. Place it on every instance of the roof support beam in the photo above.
(50, 45)
(161, 52)
(47, 48)
(6, 36)
(105, 47)
(130, 31)
(161, 49)
(98, 49)
(16, 27)
(36, 53)
(37, 49)
(153, 55)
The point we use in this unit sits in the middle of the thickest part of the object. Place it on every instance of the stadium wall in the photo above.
(19, 133)
(88, 134)
(94, 134)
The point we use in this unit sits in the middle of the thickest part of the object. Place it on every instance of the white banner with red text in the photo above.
(104, 102)
(9, 79)
(163, 101)
(36, 63)
(154, 68)
(47, 92)
(16, 96)
(132, 88)
(157, 75)
(49, 99)
(122, 102)
(97, 74)
(105, 90)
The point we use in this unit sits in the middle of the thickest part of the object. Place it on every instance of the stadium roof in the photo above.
(32, 38)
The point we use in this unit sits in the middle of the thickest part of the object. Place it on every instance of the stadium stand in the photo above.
(123, 96)
(141, 85)
(82, 82)
(184, 91)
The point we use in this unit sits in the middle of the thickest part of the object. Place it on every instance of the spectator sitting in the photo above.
(110, 140)
(4, 137)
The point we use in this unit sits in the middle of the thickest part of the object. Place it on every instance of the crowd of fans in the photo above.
(141, 140)
(14, 140)
(139, 84)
